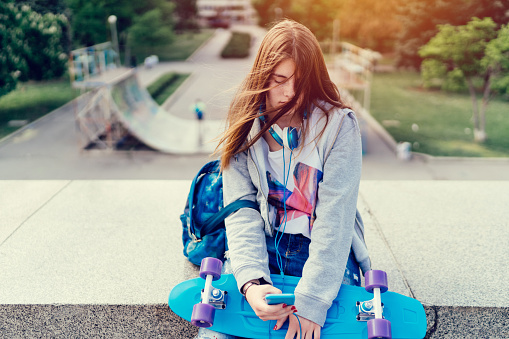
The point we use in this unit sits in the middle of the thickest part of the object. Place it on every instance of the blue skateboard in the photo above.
(357, 312)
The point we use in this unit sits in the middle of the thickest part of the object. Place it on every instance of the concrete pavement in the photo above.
(82, 257)
(100, 257)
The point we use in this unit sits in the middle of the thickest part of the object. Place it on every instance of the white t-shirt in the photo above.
(301, 176)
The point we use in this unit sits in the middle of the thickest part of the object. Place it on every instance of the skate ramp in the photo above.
(122, 107)
(144, 119)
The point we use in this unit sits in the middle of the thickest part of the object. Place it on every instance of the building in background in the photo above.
(222, 13)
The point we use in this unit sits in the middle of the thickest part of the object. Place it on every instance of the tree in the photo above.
(455, 54)
(31, 45)
(148, 31)
(186, 12)
(267, 10)
(56, 7)
(497, 60)
(419, 20)
(43, 34)
(317, 15)
(89, 18)
(11, 46)
(361, 21)
(89, 22)
(45, 6)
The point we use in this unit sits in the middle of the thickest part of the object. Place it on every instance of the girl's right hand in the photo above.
(255, 296)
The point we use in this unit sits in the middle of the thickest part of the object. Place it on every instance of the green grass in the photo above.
(237, 46)
(32, 100)
(443, 119)
(165, 85)
(180, 49)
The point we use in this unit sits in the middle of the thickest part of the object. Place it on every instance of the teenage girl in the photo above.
(293, 147)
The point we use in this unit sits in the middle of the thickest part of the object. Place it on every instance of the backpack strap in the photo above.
(214, 222)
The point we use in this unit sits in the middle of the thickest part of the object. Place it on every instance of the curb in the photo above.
(431, 158)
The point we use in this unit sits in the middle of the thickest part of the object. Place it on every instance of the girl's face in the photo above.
(282, 84)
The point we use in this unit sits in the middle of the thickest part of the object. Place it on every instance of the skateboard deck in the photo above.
(406, 315)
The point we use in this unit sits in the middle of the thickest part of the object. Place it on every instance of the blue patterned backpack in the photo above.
(203, 230)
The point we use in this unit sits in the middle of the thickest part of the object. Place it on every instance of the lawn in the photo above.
(435, 122)
(32, 100)
(183, 46)
(165, 85)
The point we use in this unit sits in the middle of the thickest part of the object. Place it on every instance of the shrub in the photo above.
(149, 30)
(46, 58)
(238, 46)
(157, 87)
(30, 45)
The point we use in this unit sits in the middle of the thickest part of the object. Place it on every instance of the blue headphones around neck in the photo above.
(287, 137)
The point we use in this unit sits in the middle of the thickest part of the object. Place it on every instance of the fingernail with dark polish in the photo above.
(294, 308)
(284, 305)
(275, 328)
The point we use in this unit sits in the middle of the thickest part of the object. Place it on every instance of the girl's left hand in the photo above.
(310, 330)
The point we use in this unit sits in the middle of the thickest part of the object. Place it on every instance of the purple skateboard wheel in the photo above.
(379, 328)
(211, 266)
(376, 278)
(203, 315)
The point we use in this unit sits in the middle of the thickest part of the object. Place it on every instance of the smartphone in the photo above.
(284, 298)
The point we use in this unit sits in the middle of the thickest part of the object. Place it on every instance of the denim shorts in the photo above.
(294, 251)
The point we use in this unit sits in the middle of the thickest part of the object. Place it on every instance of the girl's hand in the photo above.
(310, 330)
(255, 296)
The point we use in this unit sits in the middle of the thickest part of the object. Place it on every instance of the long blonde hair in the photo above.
(313, 86)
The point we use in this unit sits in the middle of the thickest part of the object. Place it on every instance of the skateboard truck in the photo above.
(372, 310)
(216, 298)
(203, 312)
(367, 310)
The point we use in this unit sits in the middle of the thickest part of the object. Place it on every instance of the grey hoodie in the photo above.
(337, 228)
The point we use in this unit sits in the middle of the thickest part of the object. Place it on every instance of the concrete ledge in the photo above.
(467, 322)
(155, 321)
(92, 321)
(99, 258)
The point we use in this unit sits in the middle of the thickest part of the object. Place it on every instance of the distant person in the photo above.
(294, 147)
(199, 108)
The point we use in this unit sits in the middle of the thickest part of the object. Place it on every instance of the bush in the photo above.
(158, 86)
(30, 45)
(238, 46)
(150, 30)
(165, 86)
(11, 47)
(46, 58)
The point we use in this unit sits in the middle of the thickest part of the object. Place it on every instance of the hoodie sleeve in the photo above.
(331, 236)
(244, 228)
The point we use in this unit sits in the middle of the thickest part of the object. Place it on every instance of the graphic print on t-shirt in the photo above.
(302, 201)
